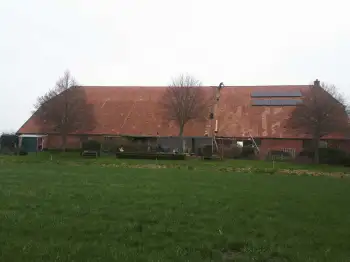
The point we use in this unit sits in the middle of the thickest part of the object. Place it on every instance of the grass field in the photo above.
(93, 211)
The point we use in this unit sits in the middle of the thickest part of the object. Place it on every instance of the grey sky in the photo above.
(139, 42)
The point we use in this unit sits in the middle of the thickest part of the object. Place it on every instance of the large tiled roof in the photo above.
(136, 111)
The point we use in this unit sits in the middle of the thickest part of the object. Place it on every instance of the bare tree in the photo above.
(323, 112)
(64, 110)
(184, 100)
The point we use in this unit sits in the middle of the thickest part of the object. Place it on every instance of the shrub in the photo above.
(91, 145)
(205, 151)
(303, 160)
(110, 146)
(73, 150)
(330, 156)
(8, 143)
(333, 156)
(159, 156)
(22, 152)
(7, 151)
(248, 152)
(306, 153)
(58, 150)
(232, 151)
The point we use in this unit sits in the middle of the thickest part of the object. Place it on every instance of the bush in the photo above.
(8, 144)
(91, 145)
(8, 140)
(22, 152)
(58, 150)
(248, 152)
(129, 155)
(304, 160)
(7, 151)
(232, 151)
(306, 153)
(330, 156)
(110, 146)
(205, 151)
(333, 156)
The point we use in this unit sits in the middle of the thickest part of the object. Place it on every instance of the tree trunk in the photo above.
(181, 130)
(317, 150)
(181, 138)
(64, 142)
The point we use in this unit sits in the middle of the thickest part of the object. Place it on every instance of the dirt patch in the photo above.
(249, 169)
(149, 166)
(234, 251)
(299, 172)
(145, 166)
(232, 256)
(313, 173)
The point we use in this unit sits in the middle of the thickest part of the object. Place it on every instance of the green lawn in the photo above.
(54, 211)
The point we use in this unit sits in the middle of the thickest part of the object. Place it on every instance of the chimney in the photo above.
(317, 83)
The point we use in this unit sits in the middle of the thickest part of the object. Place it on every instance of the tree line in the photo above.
(65, 110)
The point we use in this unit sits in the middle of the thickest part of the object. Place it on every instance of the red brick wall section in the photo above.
(279, 144)
(73, 141)
(52, 141)
(55, 141)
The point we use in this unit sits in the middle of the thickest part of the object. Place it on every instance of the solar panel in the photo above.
(276, 102)
(285, 102)
(276, 94)
(256, 102)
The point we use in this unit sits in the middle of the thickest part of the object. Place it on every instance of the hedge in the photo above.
(150, 156)
(205, 151)
(330, 156)
(91, 145)
(58, 150)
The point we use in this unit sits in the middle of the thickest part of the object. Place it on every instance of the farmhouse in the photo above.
(258, 113)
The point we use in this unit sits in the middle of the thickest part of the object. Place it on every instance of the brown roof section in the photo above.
(136, 111)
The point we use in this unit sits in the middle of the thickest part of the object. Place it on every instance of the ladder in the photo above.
(255, 145)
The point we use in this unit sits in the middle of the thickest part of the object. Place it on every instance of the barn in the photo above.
(258, 113)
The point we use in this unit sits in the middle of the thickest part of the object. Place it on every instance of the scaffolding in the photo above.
(213, 131)
(212, 116)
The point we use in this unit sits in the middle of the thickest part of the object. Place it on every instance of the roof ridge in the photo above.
(229, 86)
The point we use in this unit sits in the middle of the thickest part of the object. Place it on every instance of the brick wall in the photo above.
(55, 141)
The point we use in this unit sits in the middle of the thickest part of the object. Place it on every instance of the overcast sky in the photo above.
(146, 42)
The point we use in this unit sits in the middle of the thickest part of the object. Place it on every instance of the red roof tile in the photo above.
(136, 111)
